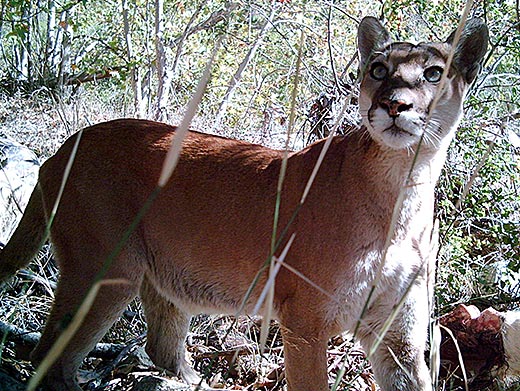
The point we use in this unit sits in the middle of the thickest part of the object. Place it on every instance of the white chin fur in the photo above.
(382, 129)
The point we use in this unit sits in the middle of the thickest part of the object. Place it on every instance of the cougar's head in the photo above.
(401, 101)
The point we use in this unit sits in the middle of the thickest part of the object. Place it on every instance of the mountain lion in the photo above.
(208, 233)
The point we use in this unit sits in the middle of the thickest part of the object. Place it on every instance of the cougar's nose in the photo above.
(394, 107)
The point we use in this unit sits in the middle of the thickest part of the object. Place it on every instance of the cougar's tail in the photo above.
(26, 239)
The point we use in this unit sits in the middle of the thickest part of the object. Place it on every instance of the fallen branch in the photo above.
(28, 340)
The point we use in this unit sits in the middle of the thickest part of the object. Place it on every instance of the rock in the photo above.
(18, 175)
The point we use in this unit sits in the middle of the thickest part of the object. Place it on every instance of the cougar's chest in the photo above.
(375, 286)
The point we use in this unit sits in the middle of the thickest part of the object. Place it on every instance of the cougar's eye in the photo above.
(378, 71)
(433, 74)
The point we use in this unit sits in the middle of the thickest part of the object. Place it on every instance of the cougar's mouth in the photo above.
(397, 131)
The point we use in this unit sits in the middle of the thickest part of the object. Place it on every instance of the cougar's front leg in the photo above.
(167, 329)
(398, 362)
(305, 350)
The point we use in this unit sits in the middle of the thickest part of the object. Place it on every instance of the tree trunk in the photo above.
(64, 68)
(22, 50)
(51, 59)
(135, 79)
(164, 75)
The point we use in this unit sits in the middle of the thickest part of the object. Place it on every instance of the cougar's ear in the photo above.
(470, 49)
(372, 36)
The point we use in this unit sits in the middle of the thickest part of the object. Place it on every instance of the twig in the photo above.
(474, 175)
(329, 44)
(188, 31)
(211, 21)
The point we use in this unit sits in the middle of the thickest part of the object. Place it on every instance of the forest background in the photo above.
(68, 64)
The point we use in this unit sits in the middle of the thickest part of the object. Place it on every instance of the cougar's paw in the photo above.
(187, 373)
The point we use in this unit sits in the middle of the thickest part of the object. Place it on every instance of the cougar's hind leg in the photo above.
(167, 329)
(110, 301)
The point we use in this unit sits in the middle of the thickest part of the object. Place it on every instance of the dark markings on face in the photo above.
(406, 64)
(423, 54)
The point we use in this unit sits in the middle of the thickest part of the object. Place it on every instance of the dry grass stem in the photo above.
(324, 150)
(435, 353)
(459, 354)
(272, 272)
(399, 203)
(269, 291)
(172, 157)
(467, 186)
(309, 281)
(66, 174)
(444, 77)
(272, 277)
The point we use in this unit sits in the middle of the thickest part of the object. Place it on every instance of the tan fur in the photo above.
(208, 234)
